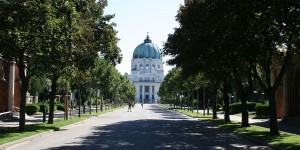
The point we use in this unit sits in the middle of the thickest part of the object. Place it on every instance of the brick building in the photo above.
(288, 92)
(9, 86)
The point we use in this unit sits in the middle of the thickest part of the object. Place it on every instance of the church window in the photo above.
(146, 88)
(158, 66)
(141, 66)
(153, 67)
(147, 66)
(135, 67)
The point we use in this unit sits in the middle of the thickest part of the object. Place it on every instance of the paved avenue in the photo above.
(152, 127)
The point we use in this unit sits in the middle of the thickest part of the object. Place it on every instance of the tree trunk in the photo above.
(188, 102)
(79, 100)
(204, 101)
(245, 115)
(226, 102)
(101, 103)
(52, 99)
(90, 101)
(24, 89)
(97, 102)
(273, 114)
(214, 100)
(243, 96)
(197, 100)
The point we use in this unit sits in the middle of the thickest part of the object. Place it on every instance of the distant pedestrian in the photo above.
(142, 104)
(129, 107)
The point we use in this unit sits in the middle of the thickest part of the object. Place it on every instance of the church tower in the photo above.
(147, 71)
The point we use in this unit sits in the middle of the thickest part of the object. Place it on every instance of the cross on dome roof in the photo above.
(147, 40)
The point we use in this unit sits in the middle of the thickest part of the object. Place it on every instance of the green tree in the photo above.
(224, 35)
(37, 85)
(21, 30)
(171, 87)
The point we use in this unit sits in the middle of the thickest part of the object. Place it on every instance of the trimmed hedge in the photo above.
(60, 106)
(236, 108)
(44, 105)
(262, 110)
(32, 109)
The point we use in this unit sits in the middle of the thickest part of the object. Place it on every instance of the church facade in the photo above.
(147, 71)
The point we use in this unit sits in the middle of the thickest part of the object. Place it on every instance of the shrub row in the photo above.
(262, 110)
(236, 108)
(32, 109)
(39, 107)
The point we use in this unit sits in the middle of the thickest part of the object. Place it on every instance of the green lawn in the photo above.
(284, 140)
(12, 134)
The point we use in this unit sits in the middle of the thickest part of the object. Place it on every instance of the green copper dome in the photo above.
(147, 50)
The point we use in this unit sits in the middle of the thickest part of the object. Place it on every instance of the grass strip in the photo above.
(285, 140)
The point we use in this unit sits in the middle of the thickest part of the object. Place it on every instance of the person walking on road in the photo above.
(129, 107)
(142, 104)
(132, 104)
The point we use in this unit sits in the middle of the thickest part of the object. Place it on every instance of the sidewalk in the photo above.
(32, 119)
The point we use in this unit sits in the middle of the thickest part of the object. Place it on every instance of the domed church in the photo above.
(147, 71)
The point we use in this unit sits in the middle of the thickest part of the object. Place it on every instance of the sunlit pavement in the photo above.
(152, 127)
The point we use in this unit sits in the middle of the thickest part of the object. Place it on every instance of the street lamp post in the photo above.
(3, 81)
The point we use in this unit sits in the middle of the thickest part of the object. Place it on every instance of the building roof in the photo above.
(147, 50)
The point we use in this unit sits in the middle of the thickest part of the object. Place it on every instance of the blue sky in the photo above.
(134, 18)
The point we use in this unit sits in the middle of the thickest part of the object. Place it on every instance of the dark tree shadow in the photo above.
(159, 134)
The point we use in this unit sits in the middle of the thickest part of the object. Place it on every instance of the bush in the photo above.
(194, 103)
(236, 108)
(251, 106)
(32, 109)
(60, 106)
(42, 106)
(262, 110)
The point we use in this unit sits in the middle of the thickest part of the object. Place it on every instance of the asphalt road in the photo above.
(152, 127)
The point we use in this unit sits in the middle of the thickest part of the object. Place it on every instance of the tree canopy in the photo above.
(244, 39)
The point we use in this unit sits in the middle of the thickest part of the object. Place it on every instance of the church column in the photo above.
(154, 93)
(150, 93)
(143, 93)
(11, 89)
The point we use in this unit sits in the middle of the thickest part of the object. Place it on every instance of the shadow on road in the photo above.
(159, 134)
